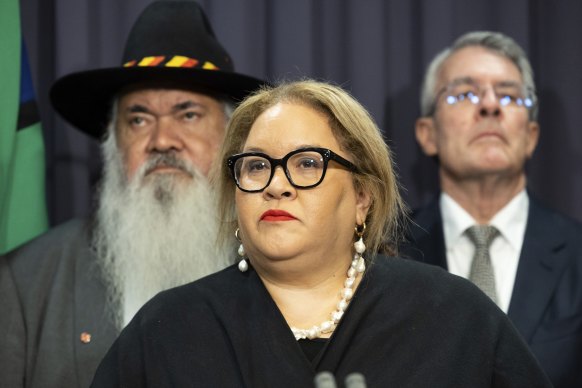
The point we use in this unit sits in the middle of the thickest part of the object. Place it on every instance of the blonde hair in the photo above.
(357, 134)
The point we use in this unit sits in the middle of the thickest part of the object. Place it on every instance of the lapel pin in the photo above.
(85, 337)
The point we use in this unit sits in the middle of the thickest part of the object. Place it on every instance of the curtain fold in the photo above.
(377, 49)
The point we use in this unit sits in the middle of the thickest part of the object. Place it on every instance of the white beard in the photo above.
(154, 232)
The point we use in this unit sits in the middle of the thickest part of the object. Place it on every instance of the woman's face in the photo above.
(283, 222)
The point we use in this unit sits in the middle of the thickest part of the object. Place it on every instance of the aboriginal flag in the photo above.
(22, 174)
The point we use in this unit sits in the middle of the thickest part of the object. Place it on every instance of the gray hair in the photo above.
(492, 41)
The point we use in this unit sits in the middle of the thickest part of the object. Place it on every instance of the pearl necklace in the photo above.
(357, 267)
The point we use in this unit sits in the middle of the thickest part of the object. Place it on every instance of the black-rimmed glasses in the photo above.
(304, 168)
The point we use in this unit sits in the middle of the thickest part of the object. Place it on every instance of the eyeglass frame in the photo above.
(529, 95)
(326, 154)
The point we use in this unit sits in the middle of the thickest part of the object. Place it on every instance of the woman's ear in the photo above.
(363, 203)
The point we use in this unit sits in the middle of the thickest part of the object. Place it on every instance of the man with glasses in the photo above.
(479, 112)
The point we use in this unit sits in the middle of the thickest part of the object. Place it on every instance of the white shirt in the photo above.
(504, 250)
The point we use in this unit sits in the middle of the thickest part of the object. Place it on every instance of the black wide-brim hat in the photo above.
(171, 42)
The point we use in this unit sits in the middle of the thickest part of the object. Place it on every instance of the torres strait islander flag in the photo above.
(22, 175)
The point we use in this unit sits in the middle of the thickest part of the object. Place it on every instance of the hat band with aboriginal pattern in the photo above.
(173, 61)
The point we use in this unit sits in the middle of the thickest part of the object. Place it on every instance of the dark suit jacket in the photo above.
(546, 304)
(50, 293)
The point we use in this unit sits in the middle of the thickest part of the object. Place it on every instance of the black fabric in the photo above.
(409, 325)
(546, 302)
(312, 348)
(27, 115)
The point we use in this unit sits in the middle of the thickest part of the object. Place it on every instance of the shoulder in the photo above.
(208, 312)
(436, 309)
(426, 300)
(50, 252)
(404, 271)
(56, 238)
(552, 220)
(552, 234)
(433, 309)
(426, 215)
(423, 234)
(212, 293)
(427, 286)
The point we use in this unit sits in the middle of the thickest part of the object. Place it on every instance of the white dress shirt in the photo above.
(504, 250)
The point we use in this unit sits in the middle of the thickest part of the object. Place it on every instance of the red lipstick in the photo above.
(277, 215)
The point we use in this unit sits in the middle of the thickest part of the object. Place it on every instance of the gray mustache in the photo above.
(167, 160)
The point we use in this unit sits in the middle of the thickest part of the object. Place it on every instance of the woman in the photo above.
(307, 185)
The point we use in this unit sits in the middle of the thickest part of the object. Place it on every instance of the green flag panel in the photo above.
(22, 174)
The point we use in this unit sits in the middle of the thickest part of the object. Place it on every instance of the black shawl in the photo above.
(408, 325)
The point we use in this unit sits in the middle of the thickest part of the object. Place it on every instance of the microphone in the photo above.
(324, 380)
(355, 380)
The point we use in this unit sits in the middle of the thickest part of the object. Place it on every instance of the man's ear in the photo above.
(363, 203)
(533, 135)
(426, 135)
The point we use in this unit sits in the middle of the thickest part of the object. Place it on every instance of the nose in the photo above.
(165, 136)
(279, 187)
(489, 104)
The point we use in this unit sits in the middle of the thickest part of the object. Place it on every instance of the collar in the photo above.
(510, 220)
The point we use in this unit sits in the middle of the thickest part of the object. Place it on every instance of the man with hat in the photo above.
(161, 116)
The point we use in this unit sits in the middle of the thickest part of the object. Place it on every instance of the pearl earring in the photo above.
(360, 248)
(243, 266)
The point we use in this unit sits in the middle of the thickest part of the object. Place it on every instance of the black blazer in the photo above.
(546, 304)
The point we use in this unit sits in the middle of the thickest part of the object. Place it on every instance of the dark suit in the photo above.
(50, 293)
(546, 303)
